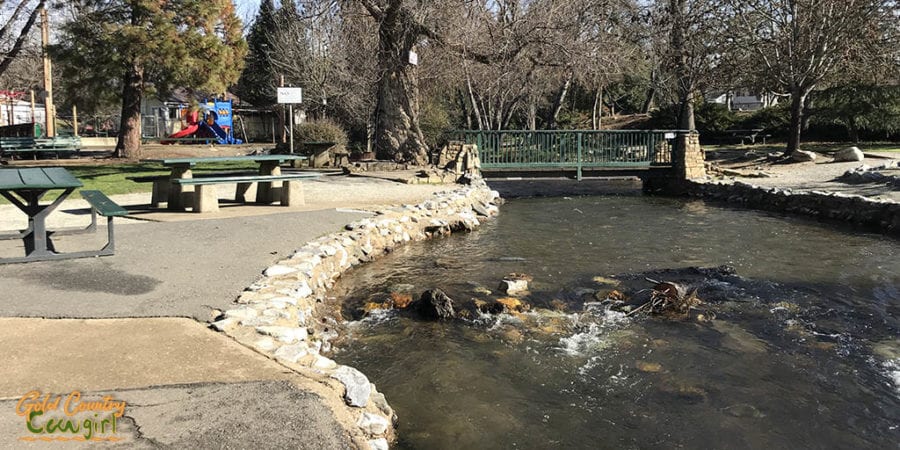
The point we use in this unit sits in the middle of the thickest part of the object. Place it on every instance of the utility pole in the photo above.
(49, 110)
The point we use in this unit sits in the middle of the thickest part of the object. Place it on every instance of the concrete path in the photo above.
(182, 269)
(184, 386)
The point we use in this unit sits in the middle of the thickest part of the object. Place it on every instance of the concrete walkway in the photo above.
(186, 386)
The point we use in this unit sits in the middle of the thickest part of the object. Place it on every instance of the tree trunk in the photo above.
(397, 133)
(553, 116)
(129, 142)
(686, 114)
(807, 112)
(532, 115)
(597, 110)
(797, 98)
(684, 81)
(651, 92)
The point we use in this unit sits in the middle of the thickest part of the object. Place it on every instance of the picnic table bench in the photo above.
(13, 146)
(269, 185)
(25, 187)
(751, 135)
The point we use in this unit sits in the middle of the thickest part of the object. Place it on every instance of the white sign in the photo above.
(669, 136)
(413, 58)
(290, 95)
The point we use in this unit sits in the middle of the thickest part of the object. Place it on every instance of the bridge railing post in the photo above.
(578, 157)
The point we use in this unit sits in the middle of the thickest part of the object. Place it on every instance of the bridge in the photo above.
(646, 154)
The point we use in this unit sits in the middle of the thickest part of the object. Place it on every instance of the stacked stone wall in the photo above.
(881, 215)
(284, 314)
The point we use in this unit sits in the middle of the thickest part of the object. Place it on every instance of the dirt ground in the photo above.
(754, 166)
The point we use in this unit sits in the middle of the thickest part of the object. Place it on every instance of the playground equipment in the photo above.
(216, 123)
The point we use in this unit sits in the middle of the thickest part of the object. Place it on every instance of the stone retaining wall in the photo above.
(883, 215)
(283, 314)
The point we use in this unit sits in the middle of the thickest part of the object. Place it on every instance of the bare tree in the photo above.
(14, 34)
(799, 44)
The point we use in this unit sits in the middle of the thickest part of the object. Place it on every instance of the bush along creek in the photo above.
(632, 321)
(284, 314)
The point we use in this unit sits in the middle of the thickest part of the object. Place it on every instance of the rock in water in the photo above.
(434, 305)
(514, 284)
(803, 156)
(849, 154)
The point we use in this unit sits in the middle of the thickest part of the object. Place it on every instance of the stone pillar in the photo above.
(206, 198)
(689, 159)
(180, 196)
(292, 193)
(268, 192)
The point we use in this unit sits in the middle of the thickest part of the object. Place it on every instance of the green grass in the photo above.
(111, 178)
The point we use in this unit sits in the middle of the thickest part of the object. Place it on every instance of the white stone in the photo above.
(378, 444)
(281, 302)
(373, 423)
(324, 363)
(279, 270)
(285, 334)
(258, 321)
(265, 344)
(225, 325)
(241, 313)
(302, 291)
(292, 353)
(513, 287)
(803, 156)
(849, 154)
(356, 384)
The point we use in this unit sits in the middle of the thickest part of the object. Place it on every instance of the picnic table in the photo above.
(749, 134)
(25, 188)
(172, 189)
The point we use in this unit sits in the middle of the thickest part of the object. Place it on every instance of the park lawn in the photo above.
(111, 179)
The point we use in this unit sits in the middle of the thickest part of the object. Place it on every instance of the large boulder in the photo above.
(434, 304)
(849, 154)
(803, 156)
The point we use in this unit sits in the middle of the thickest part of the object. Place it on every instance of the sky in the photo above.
(246, 9)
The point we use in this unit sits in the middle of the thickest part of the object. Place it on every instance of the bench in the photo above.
(12, 146)
(161, 183)
(206, 197)
(102, 205)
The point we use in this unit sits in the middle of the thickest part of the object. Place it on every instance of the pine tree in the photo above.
(150, 46)
(258, 80)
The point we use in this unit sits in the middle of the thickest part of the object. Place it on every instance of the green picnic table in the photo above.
(171, 189)
(25, 188)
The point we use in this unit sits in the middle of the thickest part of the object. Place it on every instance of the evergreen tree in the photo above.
(148, 46)
(258, 80)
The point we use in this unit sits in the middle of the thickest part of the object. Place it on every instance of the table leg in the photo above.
(176, 191)
(268, 192)
(38, 242)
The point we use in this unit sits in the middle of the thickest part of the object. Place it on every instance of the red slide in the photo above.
(190, 130)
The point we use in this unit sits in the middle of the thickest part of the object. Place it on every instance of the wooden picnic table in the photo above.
(173, 191)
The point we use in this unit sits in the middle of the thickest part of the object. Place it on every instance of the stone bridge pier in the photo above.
(688, 163)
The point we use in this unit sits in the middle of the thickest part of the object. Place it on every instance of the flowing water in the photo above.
(803, 352)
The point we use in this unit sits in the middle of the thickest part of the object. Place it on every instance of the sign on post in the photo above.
(290, 95)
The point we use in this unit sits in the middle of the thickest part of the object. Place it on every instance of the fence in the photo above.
(576, 149)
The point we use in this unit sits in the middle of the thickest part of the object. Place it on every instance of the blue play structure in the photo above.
(216, 123)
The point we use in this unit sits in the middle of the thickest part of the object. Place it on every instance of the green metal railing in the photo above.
(573, 149)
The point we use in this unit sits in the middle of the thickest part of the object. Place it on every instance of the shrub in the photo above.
(774, 119)
(322, 130)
